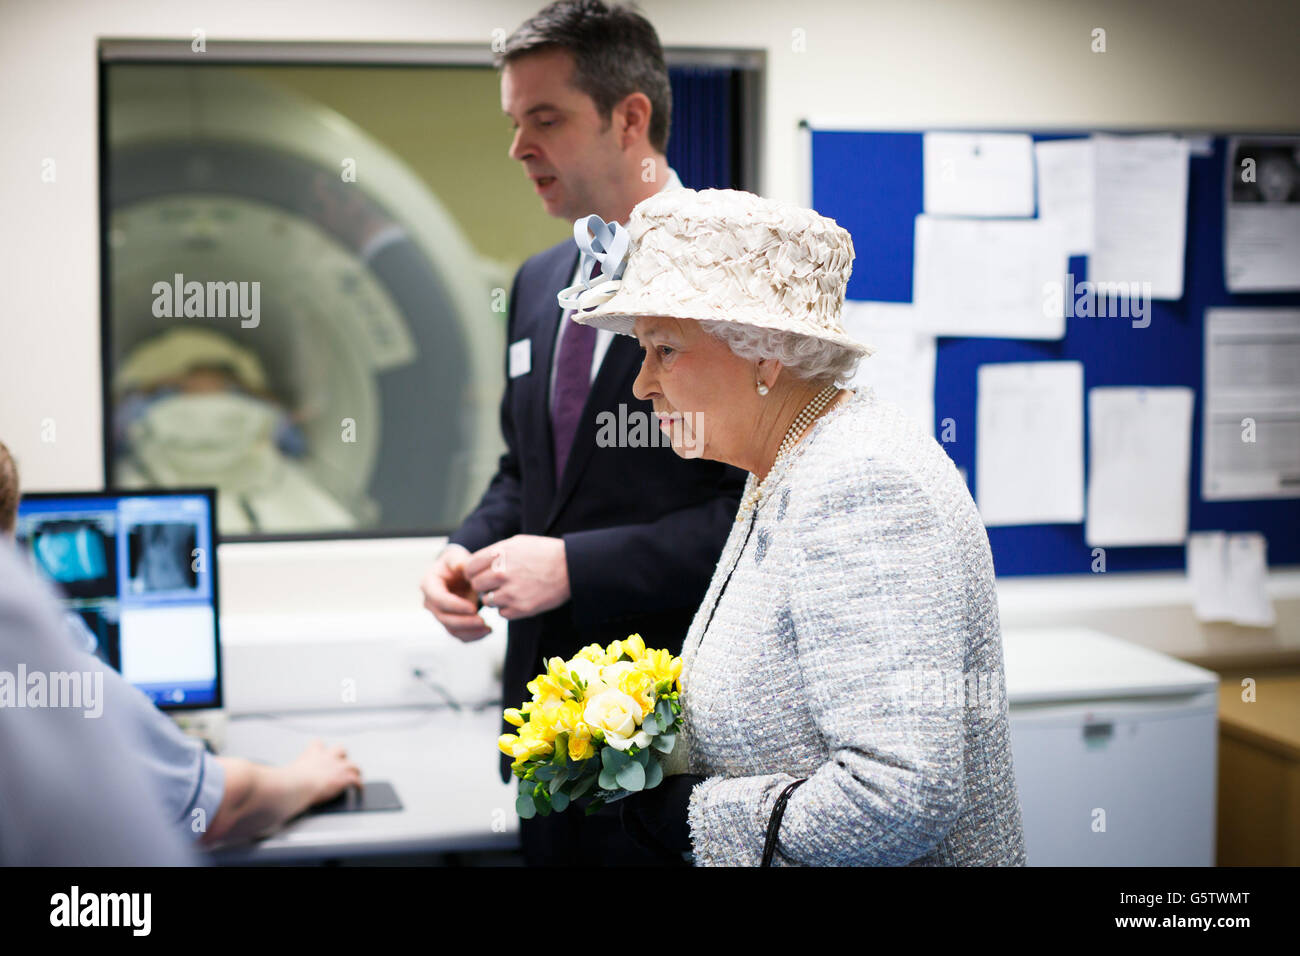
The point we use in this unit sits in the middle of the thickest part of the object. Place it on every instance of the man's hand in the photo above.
(520, 576)
(258, 799)
(451, 599)
(324, 772)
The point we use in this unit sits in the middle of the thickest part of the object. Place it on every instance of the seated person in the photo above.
(217, 800)
(71, 791)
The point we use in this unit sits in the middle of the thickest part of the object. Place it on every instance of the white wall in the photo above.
(1198, 64)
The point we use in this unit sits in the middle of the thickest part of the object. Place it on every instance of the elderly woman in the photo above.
(842, 689)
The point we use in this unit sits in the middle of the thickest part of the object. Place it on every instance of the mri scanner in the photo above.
(365, 396)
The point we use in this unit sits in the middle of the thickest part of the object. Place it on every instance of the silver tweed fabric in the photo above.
(856, 644)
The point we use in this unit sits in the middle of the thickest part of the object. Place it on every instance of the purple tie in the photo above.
(572, 383)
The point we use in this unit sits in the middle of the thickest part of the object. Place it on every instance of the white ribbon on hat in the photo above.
(607, 244)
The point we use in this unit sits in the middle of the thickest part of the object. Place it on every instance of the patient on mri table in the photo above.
(193, 409)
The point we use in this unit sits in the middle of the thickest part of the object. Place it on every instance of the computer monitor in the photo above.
(138, 575)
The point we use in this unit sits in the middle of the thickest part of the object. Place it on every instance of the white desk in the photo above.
(443, 764)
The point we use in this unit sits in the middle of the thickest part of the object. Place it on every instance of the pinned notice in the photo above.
(978, 174)
(902, 368)
(1065, 169)
(1229, 578)
(1140, 212)
(993, 277)
(1140, 442)
(1029, 443)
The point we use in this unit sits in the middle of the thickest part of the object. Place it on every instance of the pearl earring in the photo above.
(762, 389)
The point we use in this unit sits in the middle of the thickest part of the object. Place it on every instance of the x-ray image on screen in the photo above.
(79, 555)
(159, 557)
(95, 633)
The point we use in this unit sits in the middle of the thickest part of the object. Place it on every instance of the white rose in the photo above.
(610, 673)
(615, 713)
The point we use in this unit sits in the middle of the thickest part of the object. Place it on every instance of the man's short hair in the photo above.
(8, 491)
(616, 52)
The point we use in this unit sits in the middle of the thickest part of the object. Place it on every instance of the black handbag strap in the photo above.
(774, 824)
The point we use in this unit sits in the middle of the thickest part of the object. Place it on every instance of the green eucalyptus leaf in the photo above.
(608, 780)
(654, 774)
(582, 786)
(632, 777)
(664, 743)
(613, 759)
(560, 779)
(525, 807)
(559, 801)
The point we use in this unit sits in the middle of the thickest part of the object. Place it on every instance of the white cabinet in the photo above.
(1115, 751)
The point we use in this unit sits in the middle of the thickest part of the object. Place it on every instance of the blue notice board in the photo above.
(871, 184)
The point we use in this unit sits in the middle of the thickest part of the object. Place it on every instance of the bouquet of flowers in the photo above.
(600, 723)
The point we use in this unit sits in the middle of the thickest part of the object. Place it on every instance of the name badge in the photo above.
(521, 358)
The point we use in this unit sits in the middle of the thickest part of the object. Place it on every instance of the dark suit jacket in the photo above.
(642, 527)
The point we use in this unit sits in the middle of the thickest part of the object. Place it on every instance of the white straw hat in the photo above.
(716, 255)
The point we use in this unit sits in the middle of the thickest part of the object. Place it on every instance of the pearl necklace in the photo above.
(802, 421)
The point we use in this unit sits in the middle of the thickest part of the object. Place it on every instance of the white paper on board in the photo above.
(1251, 433)
(1065, 169)
(902, 368)
(1228, 574)
(978, 174)
(989, 277)
(1139, 464)
(1261, 243)
(1140, 212)
(1029, 443)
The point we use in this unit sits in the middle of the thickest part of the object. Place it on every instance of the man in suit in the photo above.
(577, 540)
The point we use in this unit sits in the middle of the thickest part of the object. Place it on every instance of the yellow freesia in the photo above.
(661, 665)
(514, 716)
(542, 722)
(566, 716)
(634, 647)
(580, 747)
(557, 670)
(528, 749)
(532, 741)
(594, 653)
(639, 685)
(547, 690)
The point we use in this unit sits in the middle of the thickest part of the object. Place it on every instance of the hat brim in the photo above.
(622, 320)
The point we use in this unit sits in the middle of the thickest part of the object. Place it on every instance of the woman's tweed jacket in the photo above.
(856, 644)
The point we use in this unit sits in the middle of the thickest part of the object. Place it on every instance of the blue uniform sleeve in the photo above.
(188, 780)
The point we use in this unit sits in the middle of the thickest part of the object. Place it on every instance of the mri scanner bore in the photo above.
(293, 316)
